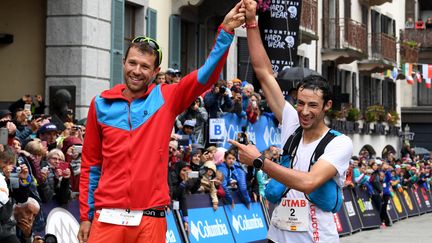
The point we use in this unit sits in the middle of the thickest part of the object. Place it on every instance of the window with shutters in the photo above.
(389, 94)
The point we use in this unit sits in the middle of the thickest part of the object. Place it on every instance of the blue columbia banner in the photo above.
(172, 234)
(207, 225)
(247, 225)
(263, 133)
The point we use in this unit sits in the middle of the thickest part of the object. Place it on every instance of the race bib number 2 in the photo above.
(291, 215)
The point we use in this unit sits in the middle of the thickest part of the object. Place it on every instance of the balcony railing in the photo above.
(409, 54)
(344, 33)
(422, 37)
(384, 46)
(375, 2)
(309, 15)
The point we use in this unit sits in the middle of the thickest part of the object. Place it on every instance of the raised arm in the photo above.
(261, 62)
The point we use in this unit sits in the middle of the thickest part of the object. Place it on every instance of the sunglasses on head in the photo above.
(152, 43)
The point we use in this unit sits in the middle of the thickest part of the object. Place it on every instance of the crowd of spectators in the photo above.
(42, 162)
(420, 24)
(382, 177)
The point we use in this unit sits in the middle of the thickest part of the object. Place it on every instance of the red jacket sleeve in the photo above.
(91, 164)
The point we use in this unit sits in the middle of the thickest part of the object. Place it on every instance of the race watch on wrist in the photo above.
(258, 163)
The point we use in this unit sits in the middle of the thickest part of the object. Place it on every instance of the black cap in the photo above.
(4, 113)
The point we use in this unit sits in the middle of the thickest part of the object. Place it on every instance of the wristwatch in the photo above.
(258, 163)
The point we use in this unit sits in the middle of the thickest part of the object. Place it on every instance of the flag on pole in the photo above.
(394, 73)
(429, 71)
(428, 83)
(425, 72)
(387, 73)
(407, 70)
(418, 77)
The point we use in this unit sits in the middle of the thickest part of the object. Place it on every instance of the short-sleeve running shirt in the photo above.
(322, 227)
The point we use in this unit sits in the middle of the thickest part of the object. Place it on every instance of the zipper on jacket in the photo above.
(129, 156)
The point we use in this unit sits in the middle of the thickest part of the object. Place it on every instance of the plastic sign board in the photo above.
(172, 234)
(217, 130)
(247, 225)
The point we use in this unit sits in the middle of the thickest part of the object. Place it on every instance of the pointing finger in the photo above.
(235, 143)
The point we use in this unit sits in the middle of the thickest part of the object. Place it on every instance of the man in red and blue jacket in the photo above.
(124, 161)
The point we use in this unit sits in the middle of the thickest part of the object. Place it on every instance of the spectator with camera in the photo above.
(217, 101)
(234, 178)
(184, 181)
(237, 98)
(55, 183)
(33, 157)
(14, 188)
(196, 112)
(72, 149)
(8, 127)
(26, 124)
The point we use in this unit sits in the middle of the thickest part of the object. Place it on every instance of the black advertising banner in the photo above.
(428, 199)
(392, 211)
(369, 215)
(419, 199)
(279, 27)
(398, 205)
(342, 222)
(410, 205)
(351, 210)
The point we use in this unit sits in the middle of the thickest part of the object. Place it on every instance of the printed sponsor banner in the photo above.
(263, 133)
(423, 208)
(63, 221)
(207, 225)
(399, 205)
(342, 223)
(172, 234)
(392, 211)
(351, 209)
(369, 215)
(279, 27)
(247, 224)
(427, 194)
(410, 204)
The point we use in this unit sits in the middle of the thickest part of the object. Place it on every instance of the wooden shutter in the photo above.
(117, 33)
(151, 23)
(174, 41)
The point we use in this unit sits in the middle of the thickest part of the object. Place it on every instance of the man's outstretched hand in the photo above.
(235, 18)
(246, 153)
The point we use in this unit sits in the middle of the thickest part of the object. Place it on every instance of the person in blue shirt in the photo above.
(386, 178)
(234, 178)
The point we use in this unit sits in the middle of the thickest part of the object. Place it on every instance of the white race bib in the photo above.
(121, 217)
(291, 215)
